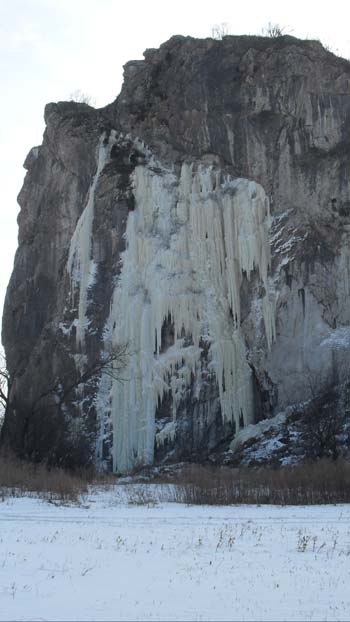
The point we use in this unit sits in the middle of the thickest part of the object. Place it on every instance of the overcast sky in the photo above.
(51, 48)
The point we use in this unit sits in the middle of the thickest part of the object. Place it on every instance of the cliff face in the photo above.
(202, 221)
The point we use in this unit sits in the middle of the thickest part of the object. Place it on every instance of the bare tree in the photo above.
(111, 363)
(82, 98)
(44, 428)
(4, 383)
(219, 31)
(273, 30)
(323, 424)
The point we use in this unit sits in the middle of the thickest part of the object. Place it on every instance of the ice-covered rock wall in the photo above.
(147, 223)
(80, 265)
(189, 242)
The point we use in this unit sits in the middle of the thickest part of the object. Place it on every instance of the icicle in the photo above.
(80, 264)
(188, 244)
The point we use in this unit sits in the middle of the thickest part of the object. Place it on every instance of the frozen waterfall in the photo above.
(188, 243)
(80, 265)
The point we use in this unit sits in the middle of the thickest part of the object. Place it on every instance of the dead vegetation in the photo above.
(324, 481)
(19, 477)
(319, 482)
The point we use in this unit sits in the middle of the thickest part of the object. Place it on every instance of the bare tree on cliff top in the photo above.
(219, 31)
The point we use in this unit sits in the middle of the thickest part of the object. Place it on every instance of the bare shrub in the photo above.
(18, 477)
(320, 482)
(323, 423)
(219, 31)
(83, 98)
(324, 481)
(322, 428)
(273, 30)
(141, 495)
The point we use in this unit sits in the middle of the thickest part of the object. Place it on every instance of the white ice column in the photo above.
(188, 244)
(80, 264)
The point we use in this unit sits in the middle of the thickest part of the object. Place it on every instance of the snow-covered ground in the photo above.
(110, 560)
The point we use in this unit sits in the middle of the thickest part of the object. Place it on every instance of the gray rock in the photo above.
(275, 111)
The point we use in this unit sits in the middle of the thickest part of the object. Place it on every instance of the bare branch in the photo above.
(4, 382)
(111, 363)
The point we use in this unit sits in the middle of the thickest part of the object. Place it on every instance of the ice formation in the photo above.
(80, 265)
(188, 244)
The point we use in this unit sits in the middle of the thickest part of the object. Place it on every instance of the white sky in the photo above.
(51, 48)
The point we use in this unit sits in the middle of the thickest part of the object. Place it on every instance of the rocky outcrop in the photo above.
(202, 222)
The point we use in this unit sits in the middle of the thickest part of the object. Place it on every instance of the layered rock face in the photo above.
(200, 225)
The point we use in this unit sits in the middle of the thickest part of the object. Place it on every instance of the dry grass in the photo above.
(142, 495)
(324, 481)
(56, 485)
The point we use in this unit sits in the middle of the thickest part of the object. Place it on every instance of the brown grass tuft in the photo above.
(324, 481)
(53, 484)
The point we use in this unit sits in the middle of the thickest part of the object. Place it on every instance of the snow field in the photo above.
(114, 559)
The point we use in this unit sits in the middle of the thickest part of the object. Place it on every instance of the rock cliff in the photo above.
(183, 267)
